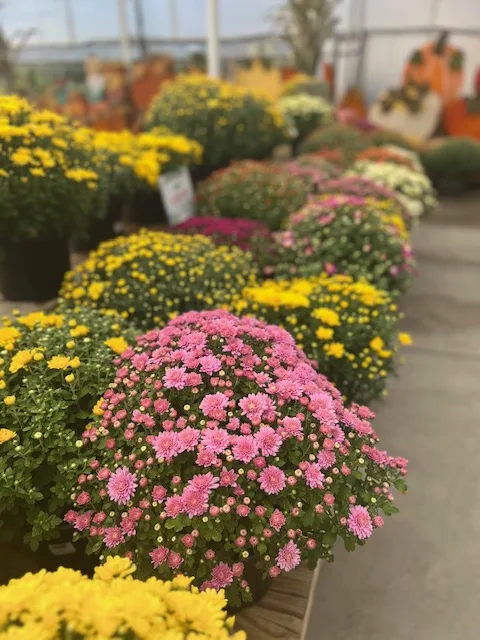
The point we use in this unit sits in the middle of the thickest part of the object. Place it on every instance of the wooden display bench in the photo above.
(284, 612)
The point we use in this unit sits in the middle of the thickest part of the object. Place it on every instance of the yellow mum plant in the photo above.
(50, 183)
(229, 122)
(347, 326)
(53, 368)
(150, 277)
(67, 604)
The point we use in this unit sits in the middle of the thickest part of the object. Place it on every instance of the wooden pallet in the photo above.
(283, 613)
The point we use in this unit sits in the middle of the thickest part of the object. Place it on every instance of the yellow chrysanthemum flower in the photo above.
(405, 338)
(117, 344)
(6, 435)
(335, 349)
(327, 316)
(59, 362)
(21, 359)
(79, 331)
(324, 333)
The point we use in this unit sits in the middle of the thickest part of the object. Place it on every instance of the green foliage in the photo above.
(48, 404)
(348, 140)
(454, 165)
(254, 190)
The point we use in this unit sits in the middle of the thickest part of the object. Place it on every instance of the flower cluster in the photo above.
(229, 122)
(414, 189)
(306, 112)
(249, 189)
(363, 188)
(53, 367)
(347, 327)
(150, 277)
(387, 154)
(348, 140)
(50, 184)
(313, 170)
(221, 447)
(111, 605)
(346, 234)
(134, 162)
(249, 235)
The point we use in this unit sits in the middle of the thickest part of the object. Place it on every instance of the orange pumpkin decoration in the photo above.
(354, 101)
(461, 117)
(439, 65)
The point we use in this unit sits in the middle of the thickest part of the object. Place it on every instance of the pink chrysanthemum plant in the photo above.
(221, 448)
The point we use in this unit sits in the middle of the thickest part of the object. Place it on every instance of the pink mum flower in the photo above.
(188, 439)
(122, 485)
(82, 521)
(213, 406)
(228, 478)
(205, 482)
(359, 522)
(210, 364)
(268, 441)
(216, 440)
(70, 516)
(175, 378)
(83, 498)
(174, 560)
(288, 557)
(222, 576)
(159, 493)
(245, 448)
(277, 520)
(292, 426)
(272, 480)
(314, 478)
(195, 502)
(255, 405)
(166, 444)
(158, 556)
(113, 537)
(173, 506)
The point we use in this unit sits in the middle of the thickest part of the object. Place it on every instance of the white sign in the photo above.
(178, 195)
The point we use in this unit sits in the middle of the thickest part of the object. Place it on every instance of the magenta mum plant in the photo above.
(244, 233)
(221, 447)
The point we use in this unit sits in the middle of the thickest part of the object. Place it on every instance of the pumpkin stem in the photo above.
(441, 43)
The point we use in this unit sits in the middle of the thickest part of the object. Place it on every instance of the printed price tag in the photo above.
(178, 195)
(62, 549)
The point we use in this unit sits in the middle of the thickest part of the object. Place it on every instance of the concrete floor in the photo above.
(419, 578)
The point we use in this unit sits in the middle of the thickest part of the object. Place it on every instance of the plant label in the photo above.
(178, 195)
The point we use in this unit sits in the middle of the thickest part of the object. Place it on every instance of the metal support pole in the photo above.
(70, 21)
(123, 28)
(139, 18)
(213, 58)
(172, 10)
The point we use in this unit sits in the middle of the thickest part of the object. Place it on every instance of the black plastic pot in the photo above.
(32, 269)
(257, 584)
(16, 559)
(64, 552)
(147, 209)
(101, 229)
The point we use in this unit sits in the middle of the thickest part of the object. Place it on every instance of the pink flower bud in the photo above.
(274, 572)
(260, 511)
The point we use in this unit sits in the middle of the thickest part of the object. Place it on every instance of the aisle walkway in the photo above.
(419, 579)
